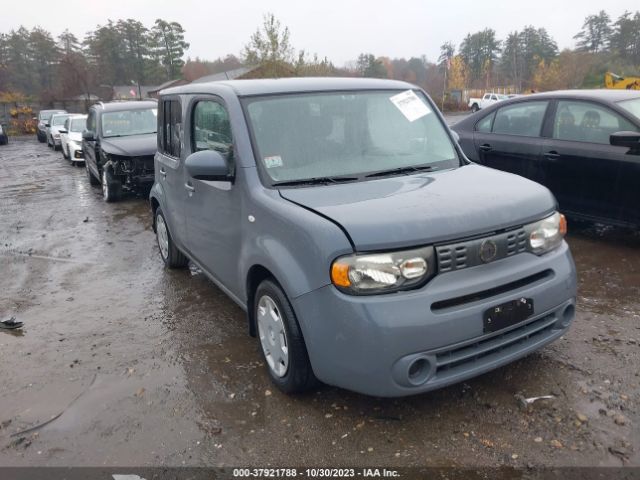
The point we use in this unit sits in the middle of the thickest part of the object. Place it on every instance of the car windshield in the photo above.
(46, 116)
(78, 124)
(129, 122)
(632, 106)
(352, 134)
(59, 120)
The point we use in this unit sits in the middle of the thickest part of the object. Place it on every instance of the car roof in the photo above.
(291, 85)
(606, 95)
(128, 105)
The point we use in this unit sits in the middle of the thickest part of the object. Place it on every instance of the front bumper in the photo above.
(75, 152)
(370, 344)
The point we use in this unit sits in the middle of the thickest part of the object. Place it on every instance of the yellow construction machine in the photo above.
(611, 80)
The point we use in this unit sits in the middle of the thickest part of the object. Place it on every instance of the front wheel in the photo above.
(111, 186)
(281, 340)
(171, 256)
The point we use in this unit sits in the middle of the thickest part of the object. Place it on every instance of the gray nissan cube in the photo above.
(367, 251)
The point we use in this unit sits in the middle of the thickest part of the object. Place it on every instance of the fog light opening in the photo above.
(568, 314)
(418, 371)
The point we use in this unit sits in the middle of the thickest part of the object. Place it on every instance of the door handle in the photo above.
(552, 155)
(189, 187)
(486, 147)
(163, 172)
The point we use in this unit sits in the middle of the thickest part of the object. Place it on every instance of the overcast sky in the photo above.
(338, 29)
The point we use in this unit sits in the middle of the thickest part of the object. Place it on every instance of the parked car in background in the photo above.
(71, 138)
(488, 99)
(573, 142)
(43, 118)
(367, 250)
(54, 125)
(4, 136)
(119, 144)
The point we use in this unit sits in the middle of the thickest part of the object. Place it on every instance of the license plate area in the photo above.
(507, 314)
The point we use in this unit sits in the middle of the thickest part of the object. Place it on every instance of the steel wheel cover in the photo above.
(163, 237)
(273, 336)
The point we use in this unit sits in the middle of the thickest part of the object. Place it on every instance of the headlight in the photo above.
(73, 143)
(383, 272)
(547, 234)
(56, 135)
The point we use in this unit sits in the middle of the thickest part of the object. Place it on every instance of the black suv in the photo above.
(119, 145)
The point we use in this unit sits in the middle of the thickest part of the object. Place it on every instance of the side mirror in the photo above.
(88, 136)
(47, 125)
(62, 130)
(207, 165)
(631, 140)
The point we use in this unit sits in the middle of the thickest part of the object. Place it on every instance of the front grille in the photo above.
(516, 242)
(466, 254)
(451, 362)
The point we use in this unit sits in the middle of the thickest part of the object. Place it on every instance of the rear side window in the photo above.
(524, 119)
(211, 129)
(484, 125)
(171, 132)
(587, 122)
(91, 121)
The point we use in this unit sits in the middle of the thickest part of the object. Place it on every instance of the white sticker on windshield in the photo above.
(273, 161)
(410, 105)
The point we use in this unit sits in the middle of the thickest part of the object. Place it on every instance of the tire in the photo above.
(281, 341)
(474, 108)
(64, 155)
(111, 187)
(41, 139)
(170, 254)
(48, 144)
(92, 180)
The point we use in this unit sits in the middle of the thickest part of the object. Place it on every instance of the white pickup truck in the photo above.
(476, 104)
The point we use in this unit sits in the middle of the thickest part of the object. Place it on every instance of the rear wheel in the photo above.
(111, 186)
(281, 340)
(171, 256)
(475, 108)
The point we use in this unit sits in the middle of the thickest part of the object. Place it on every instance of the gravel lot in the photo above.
(141, 366)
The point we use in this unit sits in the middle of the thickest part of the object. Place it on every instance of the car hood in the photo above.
(402, 211)
(131, 146)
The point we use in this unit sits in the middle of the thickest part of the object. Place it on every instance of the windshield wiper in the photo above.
(401, 171)
(314, 181)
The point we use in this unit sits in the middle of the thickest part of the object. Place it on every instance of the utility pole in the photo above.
(444, 86)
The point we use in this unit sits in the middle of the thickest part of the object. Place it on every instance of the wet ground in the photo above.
(121, 362)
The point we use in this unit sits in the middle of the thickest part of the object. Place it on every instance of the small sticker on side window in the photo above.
(410, 105)
(273, 161)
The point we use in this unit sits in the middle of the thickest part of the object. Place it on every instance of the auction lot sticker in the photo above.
(411, 106)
